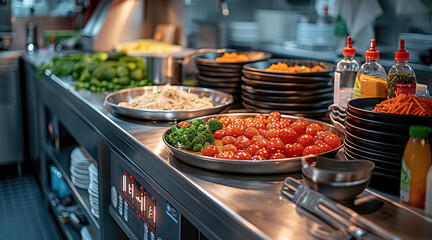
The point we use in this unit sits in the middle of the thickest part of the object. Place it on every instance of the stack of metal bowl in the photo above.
(224, 76)
(305, 94)
(379, 137)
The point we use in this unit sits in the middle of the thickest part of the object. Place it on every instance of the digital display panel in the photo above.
(142, 202)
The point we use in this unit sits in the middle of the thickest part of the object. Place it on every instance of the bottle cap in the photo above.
(402, 55)
(419, 131)
(348, 50)
(372, 53)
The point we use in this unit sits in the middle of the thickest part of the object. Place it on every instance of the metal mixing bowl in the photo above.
(337, 179)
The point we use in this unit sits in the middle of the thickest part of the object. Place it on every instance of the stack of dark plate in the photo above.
(301, 94)
(224, 76)
(379, 137)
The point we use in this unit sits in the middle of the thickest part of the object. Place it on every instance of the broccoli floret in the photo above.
(197, 147)
(214, 124)
(188, 145)
(198, 140)
(196, 123)
(206, 144)
(181, 129)
(201, 128)
(183, 139)
(190, 133)
(174, 129)
(208, 135)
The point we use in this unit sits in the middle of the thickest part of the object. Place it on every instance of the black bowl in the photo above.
(202, 82)
(375, 145)
(375, 135)
(376, 125)
(363, 107)
(380, 162)
(287, 93)
(218, 69)
(262, 65)
(379, 168)
(283, 78)
(218, 79)
(288, 105)
(209, 59)
(284, 86)
(362, 149)
(220, 74)
(291, 99)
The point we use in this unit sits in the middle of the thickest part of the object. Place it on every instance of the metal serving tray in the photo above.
(248, 166)
(220, 100)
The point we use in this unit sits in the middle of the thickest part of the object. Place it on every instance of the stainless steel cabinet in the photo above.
(11, 135)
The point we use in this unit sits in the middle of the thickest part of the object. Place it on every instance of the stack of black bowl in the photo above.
(379, 137)
(301, 94)
(224, 76)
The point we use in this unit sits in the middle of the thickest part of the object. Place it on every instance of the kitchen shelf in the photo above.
(69, 232)
(61, 160)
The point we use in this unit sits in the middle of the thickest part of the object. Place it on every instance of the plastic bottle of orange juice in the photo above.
(416, 162)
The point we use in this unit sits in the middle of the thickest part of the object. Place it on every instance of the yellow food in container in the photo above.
(371, 86)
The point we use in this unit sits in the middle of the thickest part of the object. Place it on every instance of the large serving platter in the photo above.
(247, 166)
(220, 100)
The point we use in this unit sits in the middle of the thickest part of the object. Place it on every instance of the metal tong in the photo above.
(338, 216)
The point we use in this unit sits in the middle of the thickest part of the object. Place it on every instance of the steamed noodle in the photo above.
(169, 98)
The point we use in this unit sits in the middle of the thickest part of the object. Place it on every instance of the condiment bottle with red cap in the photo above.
(371, 79)
(345, 74)
(401, 77)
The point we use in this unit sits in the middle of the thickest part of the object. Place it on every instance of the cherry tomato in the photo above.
(226, 155)
(256, 138)
(271, 119)
(288, 135)
(210, 151)
(283, 124)
(299, 126)
(219, 134)
(275, 114)
(311, 150)
(242, 156)
(184, 123)
(323, 146)
(262, 131)
(225, 121)
(260, 116)
(272, 125)
(258, 157)
(260, 125)
(252, 149)
(228, 140)
(242, 142)
(332, 140)
(230, 147)
(237, 121)
(272, 133)
(313, 129)
(305, 140)
(262, 143)
(263, 152)
(321, 135)
(251, 132)
(238, 130)
(249, 120)
(250, 124)
(275, 145)
(286, 120)
(293, 150)
(277, 156)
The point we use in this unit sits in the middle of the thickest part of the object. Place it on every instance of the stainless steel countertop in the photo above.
(255, 199)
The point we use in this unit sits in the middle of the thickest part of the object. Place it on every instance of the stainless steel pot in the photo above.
(168, 69)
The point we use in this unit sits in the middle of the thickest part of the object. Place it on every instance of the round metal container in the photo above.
(220, 100)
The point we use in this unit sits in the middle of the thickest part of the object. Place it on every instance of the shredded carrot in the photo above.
(406, 104)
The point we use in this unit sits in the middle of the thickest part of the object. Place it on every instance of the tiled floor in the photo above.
(22, 211)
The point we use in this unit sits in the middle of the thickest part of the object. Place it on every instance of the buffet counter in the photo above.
(219, 205)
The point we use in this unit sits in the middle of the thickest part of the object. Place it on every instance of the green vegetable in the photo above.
(122, 71)
(137, 74)
(197, 148)
(214, 125)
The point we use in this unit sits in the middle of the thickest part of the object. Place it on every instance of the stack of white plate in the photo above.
(80, 161)
(243, 31)
(93, 190)
(417, 44)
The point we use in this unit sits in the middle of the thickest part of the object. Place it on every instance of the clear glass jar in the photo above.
(371, 79)
(344, 77)
(401, 77)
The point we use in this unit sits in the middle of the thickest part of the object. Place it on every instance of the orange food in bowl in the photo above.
(232, 57)
(283, 67)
